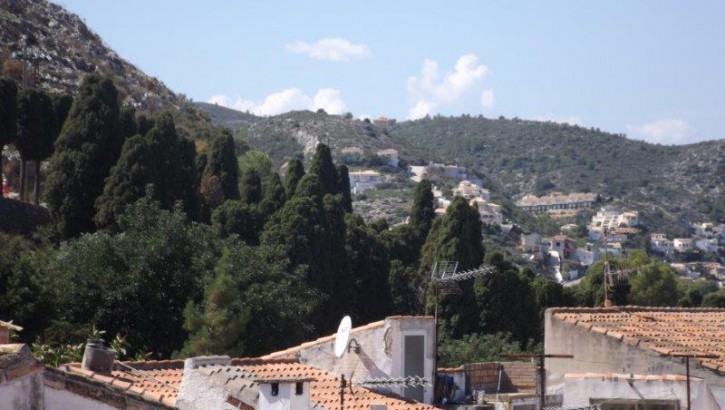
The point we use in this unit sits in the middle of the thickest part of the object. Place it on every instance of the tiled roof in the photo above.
(160, 380)
(628, 376)
(667, 331)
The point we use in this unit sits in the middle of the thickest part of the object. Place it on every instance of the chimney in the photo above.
(97, 357)
(5, 331)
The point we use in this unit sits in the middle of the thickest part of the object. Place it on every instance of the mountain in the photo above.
(64, 50)
(519, 157)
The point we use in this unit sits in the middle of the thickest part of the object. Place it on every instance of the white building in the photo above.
(682, 244)
(490, 213)
(391, 155)
(469, 190)
(360, 181)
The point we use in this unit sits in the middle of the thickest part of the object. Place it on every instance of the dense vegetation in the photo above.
(179, 251)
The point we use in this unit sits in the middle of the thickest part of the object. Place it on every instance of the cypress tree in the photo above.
(222, 163)
(295, 172)
(324, 168)
(8, 114)
(161, 159)
(456, 237)
(274, 194)
(422, 212)
(127, 181)
(343, 185)
(250, 188)
(36, 133)
(61, 107)
(85, 151)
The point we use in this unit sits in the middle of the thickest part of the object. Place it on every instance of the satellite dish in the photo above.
(343, 336)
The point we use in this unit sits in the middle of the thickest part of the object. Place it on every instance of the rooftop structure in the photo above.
(556, 202)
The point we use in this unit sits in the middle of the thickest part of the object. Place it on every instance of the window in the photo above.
(275, 389)
(299, 388)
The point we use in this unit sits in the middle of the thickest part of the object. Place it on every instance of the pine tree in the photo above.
(295, 172)
(274, 195)
(237, 218)
(8, 115)
(222, 163)
(343, 185)
(324, 168)
(87, 148)
(36, 133)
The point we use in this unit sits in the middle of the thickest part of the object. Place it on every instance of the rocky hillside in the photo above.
(297, 133)
(519, 157)
(63, 50)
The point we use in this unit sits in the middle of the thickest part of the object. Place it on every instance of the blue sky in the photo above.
(650, 69)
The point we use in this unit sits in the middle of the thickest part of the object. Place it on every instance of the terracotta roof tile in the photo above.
(160, 380)
(667, 331)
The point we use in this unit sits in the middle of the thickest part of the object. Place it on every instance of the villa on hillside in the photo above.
(556, 202)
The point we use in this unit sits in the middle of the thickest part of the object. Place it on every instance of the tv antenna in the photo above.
(445, 278)
(611, 278)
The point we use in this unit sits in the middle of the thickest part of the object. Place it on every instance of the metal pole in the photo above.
(435, 356)
(542, 378)
(342, 392)
(687, 367)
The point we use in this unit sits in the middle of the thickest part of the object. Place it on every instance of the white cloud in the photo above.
(571, 120)
(487, 99)
(331, 49)
(329, 100)
(665, 131)
(421, 109)
(286, 100)
(429, 89)
(238, 104)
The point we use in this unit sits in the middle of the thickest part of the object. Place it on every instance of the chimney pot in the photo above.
(97, 357)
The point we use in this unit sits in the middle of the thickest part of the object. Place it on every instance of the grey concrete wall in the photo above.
(597, 353)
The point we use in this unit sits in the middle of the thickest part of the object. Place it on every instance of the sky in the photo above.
(652, 70)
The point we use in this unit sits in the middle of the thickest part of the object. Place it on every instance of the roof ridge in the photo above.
(631, 308)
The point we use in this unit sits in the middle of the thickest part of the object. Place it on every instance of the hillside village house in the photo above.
(614, 222)
(299, 378)
(490, 213)
(631, 357)
(556, 202)
(360, 181)
(470, 190)
(391, 155)
(682, 244)
(658, 242)
(352, 154)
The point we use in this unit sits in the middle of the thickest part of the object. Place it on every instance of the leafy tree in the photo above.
(714, 299)
(26, 293)
(405, 287)
(369, 267)
(476, 348)
(85, 151)
(422, 212)
(256, 161)
(8, 113)
(548, 293)
(250, 187)
(695, 293)
(655, 284)
(324, 168)
(295, 172)
(236, 217)
(253, 306)
(499, 312)
(223, 164)
(36, 133)
(343, 185)
(150, 270)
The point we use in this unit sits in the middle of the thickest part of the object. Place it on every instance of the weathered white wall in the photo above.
(22, 393)
(286, 399)
(64, 400)
(381, 352)
(197, 391)
(579, 391)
